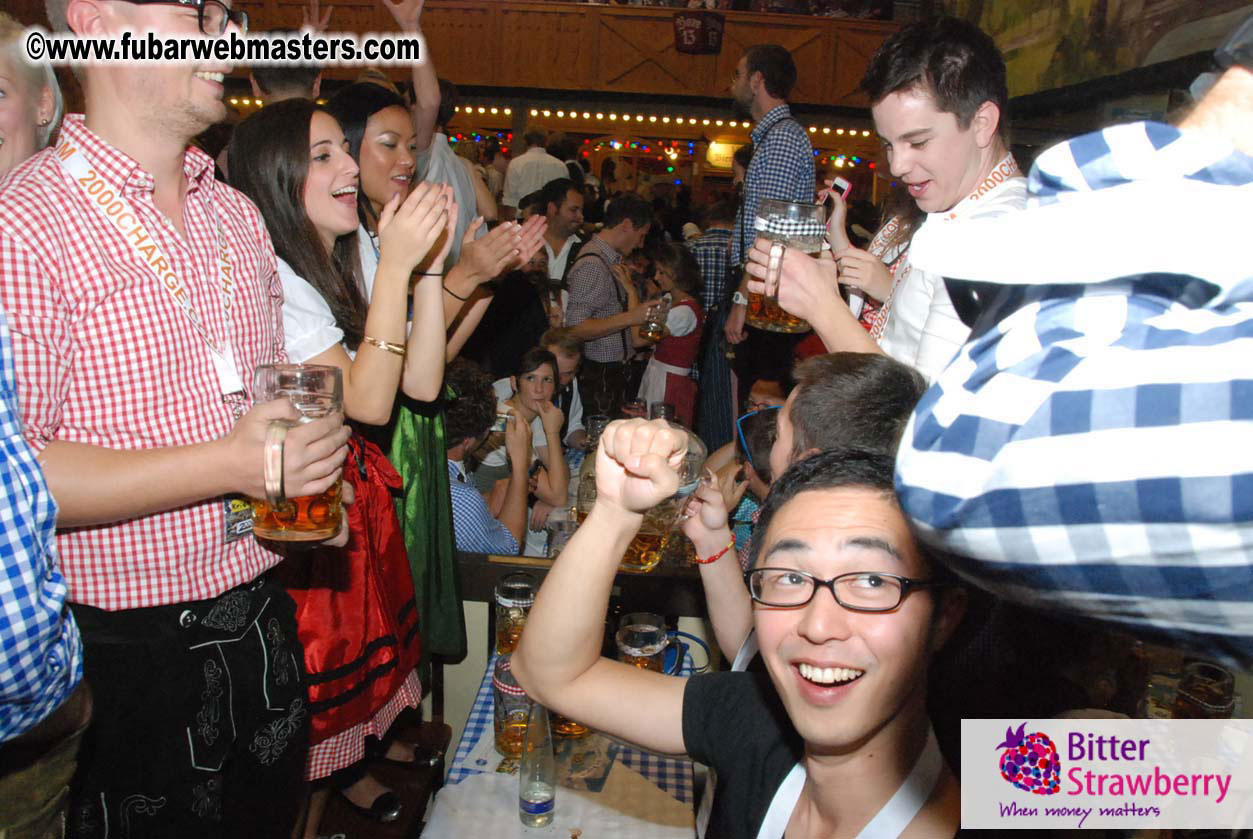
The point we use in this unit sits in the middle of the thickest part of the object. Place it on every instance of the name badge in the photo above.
(237, 518)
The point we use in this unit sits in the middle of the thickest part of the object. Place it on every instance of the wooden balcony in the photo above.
(590, 49)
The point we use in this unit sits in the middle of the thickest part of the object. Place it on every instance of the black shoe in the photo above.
(386, 808)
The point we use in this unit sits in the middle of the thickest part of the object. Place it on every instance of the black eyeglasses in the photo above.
(858, 591)
(213, 15)
(739, 429)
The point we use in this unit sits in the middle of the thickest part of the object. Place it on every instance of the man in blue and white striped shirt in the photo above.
(1088, 450)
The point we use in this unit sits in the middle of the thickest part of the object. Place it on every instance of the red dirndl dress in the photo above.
(355, 606)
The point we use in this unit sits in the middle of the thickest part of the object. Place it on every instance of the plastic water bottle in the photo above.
(537, 775)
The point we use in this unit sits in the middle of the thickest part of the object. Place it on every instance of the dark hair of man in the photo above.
(554, 192)
(760, 430)
(449, 99)
(721, 211)
(776, 66)
(563, 340)
(471, 410)
(628, 207)
(834, 469)
(294, 79)
(953, 60)
(297, 80)
(535, 358)
(268, 159)
(533, 204)
(534, 136)
(744, 155)
(491, 148)
(850, 398)
(353, 106)
(682, 265)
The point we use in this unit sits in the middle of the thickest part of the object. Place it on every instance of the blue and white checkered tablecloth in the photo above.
(674, 775)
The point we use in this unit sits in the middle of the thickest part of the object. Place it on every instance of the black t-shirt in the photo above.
(735, 723)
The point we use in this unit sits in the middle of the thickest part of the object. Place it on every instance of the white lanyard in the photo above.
(892, 818)
(117, 211)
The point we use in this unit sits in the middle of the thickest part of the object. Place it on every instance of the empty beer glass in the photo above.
(794, 225)
(315, 391)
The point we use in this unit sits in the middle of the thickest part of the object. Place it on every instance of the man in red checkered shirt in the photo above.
(142, 294)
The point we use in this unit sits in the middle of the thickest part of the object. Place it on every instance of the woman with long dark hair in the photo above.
(291, 159)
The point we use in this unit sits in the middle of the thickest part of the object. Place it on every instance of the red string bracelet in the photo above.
(719, 554)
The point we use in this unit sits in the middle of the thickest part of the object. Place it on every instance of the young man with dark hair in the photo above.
(1087, 451)
(782, 167)
(849, 611)
(562, 200)
(938, 99)
(840, 399)
(468, 420)
(599, 311)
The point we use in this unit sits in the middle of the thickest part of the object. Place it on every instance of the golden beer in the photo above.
(315, 391)
(566, 727)
(507, 634)
(510, 733)
(651, 332)
(645, 550)
(307, 518)
(642, 641)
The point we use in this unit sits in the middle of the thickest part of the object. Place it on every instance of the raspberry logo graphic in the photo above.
(1030, 762)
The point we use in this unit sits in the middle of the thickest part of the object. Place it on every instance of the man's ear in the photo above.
(950, 609)
(317, 86)
(986, 121)
(85, 17)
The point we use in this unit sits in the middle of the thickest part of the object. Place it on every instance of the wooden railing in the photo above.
(615, 49)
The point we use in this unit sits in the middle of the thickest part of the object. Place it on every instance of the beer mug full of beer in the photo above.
(787, 224)
(315, 391)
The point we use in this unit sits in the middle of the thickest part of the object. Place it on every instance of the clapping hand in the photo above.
(707, 508)
(407, 230)
(637, 464)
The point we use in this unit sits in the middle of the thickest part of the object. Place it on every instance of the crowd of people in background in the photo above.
(489, 314)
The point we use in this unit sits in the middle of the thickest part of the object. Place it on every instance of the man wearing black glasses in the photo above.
(142, 295)
(849, 611)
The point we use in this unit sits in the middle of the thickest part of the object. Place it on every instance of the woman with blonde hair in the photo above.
(30, 99)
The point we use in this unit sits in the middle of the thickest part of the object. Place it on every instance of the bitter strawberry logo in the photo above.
(1030, 762)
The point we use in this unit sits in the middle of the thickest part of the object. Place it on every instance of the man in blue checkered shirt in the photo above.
(1088, 450)
(467, 423)
(43, 707)
(782, 168)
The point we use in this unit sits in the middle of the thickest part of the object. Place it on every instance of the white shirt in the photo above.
(308, 325)
(923, 329)
(529, 172)
(557, 261)
(681, 321)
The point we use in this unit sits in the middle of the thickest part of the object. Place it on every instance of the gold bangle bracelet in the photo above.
(385, 346)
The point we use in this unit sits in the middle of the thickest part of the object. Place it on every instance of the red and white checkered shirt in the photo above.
(105, 357)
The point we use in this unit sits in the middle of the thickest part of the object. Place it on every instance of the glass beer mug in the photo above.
(642, 641)
(795, 225)
(646, 549)
(315, 391)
